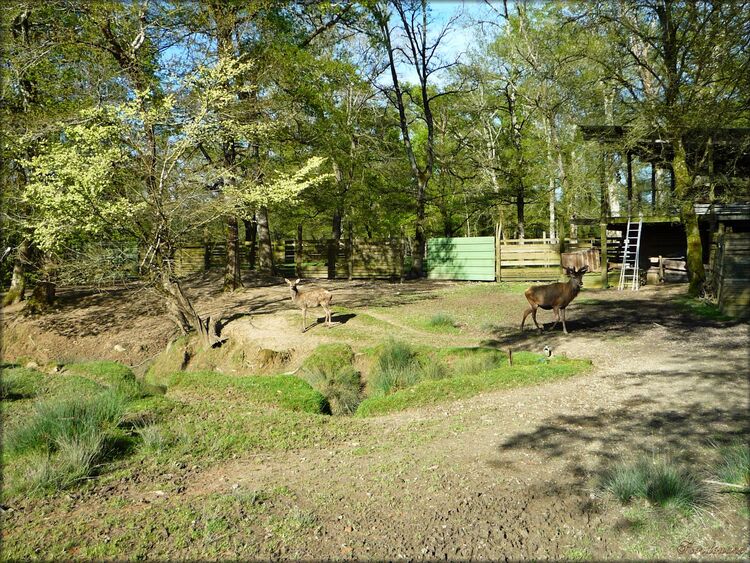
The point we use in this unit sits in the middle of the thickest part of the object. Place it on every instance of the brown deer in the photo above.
(555, 296)
(309, 298)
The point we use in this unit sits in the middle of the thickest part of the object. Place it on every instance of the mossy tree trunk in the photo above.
(685, 194)
(17, 289)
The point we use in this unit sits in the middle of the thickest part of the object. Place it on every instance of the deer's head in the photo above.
(576, 276)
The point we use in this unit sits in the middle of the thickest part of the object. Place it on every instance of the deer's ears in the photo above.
(297, 281)
(287, 281)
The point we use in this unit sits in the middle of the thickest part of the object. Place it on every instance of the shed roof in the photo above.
(730, 146)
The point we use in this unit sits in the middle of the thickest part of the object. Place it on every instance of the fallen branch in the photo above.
(743, 488)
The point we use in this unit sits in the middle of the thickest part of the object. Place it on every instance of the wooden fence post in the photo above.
(498, 268)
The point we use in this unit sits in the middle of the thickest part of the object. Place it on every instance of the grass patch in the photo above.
(287, 392)
(701, 308)
(529, 369)
(334, 376)
(441, 321)
(63, 441)
(735, 465)
(661, 483)
(20, 383)
(398, 366)
(113, 375)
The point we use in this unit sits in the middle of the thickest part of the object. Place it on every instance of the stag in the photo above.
(309, 298)
(555, 296)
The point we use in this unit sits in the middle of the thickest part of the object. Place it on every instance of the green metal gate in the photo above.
(465, 258)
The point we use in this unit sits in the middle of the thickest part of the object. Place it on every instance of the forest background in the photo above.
(157, 124)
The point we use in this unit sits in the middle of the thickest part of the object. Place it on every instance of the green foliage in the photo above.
(329, 370)
(284, 391)
(18, 383)
(661, 483)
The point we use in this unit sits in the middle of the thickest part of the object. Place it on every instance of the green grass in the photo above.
(109, 374)
(329, 370)
(20, 383)
(398, 365)
(441, 322)
(63, 441)
(661, 483)
(527, 370)
(701, 308)
(735, 465)
(287, 392)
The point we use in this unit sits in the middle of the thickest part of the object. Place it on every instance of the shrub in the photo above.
(660, 483)
(20, 383)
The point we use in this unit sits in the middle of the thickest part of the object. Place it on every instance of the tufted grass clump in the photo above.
(329, 371)
(64, 440)
(399, 366)
(735, 465)
(61, 422)
(20, 383)
(441, 320)
(661, 483)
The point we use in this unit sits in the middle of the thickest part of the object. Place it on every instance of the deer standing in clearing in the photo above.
(555, 296)
(309, 298)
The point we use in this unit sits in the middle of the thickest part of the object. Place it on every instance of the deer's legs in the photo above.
(304, 318)
(565, 330)
(328, 315)
(531, 310)
(526, 314)
(557, 318)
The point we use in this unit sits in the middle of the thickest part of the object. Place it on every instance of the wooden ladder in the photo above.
(629, 274)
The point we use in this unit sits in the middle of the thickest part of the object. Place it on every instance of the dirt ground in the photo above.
(506, 475)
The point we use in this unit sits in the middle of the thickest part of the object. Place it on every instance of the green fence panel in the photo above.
(465, 258)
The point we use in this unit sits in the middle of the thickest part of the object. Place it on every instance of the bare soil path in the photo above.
(505, 475)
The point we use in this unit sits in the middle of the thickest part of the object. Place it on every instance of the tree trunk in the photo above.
(251, 236)
(420, 240)
(520, 211)
(683, 190)
(336, 224)
(17, 290)
(265, 250)
(232, 269)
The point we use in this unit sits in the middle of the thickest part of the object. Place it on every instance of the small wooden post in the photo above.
(510, 357)
(661, 269)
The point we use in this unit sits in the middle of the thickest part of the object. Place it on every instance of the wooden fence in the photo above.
(464, 258)
(732, 274)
